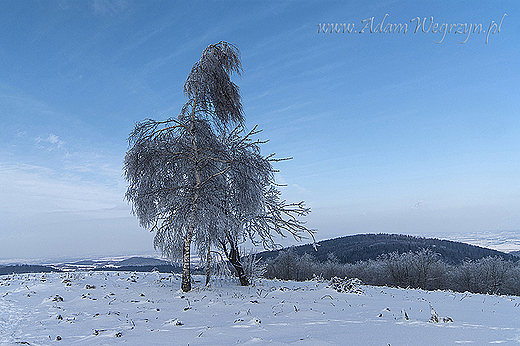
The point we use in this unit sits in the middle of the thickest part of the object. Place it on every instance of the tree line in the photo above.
(422, 269)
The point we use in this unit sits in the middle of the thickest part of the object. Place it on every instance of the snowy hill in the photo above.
(142, 261)
(363, 247)
(112, 308)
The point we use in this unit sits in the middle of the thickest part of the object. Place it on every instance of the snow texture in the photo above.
(111, 308)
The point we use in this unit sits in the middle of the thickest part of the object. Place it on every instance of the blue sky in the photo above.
(390, 132)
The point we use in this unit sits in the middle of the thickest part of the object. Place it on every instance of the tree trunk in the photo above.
(208, 257)
(234, 259)
(186, 275)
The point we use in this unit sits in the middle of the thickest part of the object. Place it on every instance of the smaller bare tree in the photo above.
(254, 210)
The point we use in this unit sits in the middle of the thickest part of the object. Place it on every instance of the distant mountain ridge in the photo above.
(140, 264)
(348, 249)
(132, 261)
(363, 247)
(25, 268)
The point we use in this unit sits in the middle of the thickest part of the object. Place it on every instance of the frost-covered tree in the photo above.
(200, 178)
(174, 167)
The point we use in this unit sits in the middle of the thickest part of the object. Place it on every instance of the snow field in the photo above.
(112, 308)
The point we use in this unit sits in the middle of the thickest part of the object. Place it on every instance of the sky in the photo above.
(410, 131)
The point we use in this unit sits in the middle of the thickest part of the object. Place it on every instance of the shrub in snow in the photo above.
(175, 322)
(317, 278)
(421, 269)
(491, 275)
(434, 318)
(345, 285)
(254, 268)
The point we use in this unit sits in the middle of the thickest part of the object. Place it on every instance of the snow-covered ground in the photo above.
(110, 308)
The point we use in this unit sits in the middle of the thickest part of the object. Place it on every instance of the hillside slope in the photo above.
(362, 247)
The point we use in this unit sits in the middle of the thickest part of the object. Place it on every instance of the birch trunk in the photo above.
(208, 258)
(186, 274)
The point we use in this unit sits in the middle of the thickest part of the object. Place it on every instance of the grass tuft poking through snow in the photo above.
(112, 308)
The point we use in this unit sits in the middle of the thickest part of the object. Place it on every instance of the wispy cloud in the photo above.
(52, 139)
(109, 7)
(420, 205)
(28, 189)
(21, 134)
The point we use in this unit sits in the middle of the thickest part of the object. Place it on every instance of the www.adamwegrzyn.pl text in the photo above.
(417, 24)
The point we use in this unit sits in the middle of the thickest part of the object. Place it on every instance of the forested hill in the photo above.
(362, 247)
